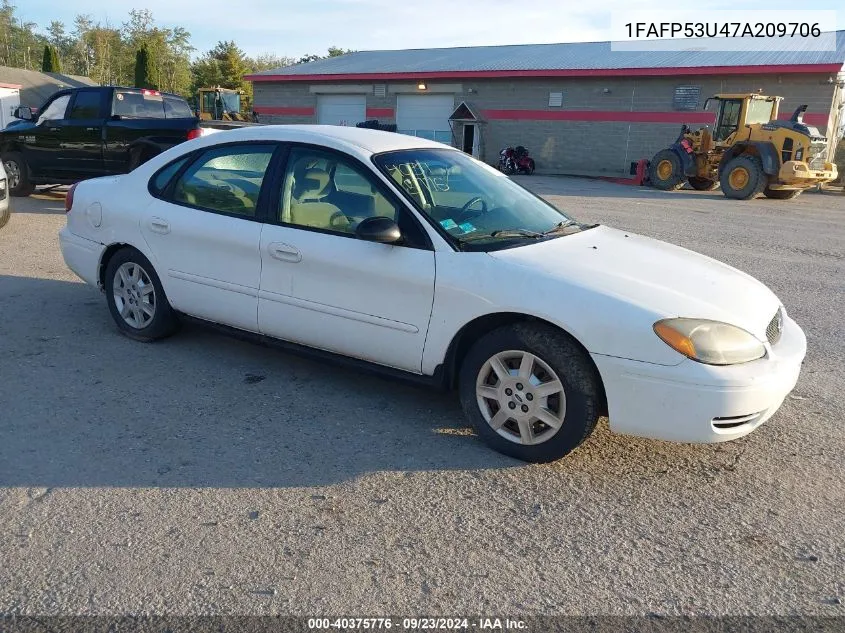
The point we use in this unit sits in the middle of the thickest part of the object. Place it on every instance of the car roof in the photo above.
(336, 136)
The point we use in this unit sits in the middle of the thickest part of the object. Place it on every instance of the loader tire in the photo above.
(781, 194)
(665, 171)
(743, 178)
(702, 184)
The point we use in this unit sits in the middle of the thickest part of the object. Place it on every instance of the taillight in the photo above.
(195, 133)
(69, 198)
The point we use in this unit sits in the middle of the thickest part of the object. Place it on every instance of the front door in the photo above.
(323, 287)
(41, 145)
(204, 231)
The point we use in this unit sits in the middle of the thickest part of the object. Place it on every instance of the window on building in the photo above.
(686, 98)
(555, 99)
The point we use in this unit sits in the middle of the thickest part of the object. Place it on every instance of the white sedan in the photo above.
(411, 257)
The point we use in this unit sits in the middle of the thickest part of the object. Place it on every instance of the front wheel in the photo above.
(17, 175)
(743, 178)
(665, 171)
(136, 298)
(530, 392)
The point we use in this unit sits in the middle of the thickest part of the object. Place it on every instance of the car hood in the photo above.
(665, 279)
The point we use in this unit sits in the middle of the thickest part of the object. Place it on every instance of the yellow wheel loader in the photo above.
(748, 152)
(223, 104)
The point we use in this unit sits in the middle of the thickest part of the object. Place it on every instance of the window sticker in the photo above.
(448, 224)
(466, 227)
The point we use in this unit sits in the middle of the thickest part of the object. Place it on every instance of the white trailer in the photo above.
(10, 98)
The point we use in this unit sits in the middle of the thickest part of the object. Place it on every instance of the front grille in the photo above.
(775, 328)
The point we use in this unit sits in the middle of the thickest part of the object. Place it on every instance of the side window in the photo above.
(225, 179)
(55, 111)
(324, 191)
(162, 178)
(86, 105)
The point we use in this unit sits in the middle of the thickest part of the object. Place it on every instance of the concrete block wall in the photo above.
(517, 112)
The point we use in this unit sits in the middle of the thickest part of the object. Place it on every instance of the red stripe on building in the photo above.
(618, 116)
(380, 112)
(564, 72)
(812, 118)
(282, 110)
(622, 116)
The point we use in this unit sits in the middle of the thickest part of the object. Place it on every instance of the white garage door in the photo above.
(425, 115)
(341, 109)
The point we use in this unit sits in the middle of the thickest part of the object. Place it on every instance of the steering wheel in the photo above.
(466, 213)
(339, 220)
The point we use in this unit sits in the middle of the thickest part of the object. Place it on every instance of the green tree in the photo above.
(333, 51)
(143, 74)
(47, 60)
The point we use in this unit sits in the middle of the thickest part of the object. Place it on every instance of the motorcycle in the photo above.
(515, 160)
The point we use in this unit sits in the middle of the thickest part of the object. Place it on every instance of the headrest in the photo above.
(313, 185)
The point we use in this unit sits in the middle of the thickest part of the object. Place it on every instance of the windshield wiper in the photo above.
(502, 233)
(564, 224)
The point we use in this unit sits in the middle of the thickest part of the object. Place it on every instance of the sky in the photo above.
(294, 28)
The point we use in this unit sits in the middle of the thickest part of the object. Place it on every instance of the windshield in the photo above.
(477, 206)
(232, 101)
(759, 111)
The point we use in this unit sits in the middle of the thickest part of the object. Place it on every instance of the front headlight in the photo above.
(710, 342)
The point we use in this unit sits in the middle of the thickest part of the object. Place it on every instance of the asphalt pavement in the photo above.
(206, 475)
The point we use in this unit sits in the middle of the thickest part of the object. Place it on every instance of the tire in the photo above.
(574, 407)
(17, 175)
(743, 178)
(665, 171)
(138, 156)
(702, 184)
(5, 214)
(781, 194)
(151, 323)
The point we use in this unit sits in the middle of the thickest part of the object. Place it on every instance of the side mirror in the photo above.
(378, 229)
(23, 112)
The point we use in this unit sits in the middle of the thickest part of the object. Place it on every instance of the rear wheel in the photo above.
(702, 184)
(136, 298)
(530, 392)
(743, 178)
(665, 170)
(781, 194)
(17, 175)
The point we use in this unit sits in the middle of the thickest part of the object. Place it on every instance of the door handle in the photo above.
(284, 252)
(157, 225)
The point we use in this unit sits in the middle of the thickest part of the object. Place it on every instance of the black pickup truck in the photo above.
(99, 131)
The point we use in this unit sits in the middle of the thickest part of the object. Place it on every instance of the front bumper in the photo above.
(693, 402)
(82, 256)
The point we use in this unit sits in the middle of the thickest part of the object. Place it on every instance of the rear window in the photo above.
(149, 104)
(176, 108)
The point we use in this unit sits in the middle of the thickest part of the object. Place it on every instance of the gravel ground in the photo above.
(205, 475)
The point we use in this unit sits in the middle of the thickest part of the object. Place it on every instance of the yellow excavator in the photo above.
(224, 104)
(748, 152)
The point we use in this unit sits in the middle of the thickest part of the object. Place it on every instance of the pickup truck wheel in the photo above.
(139, 156)
(530, 392)
(17, 175)
(136, 298)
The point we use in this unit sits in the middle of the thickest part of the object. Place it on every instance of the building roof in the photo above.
(573, 59)
(36, 87)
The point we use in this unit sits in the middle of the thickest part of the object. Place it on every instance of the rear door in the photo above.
(81, 135)
(204, 230)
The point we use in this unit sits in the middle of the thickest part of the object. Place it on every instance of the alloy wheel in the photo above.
(13, 173)
(134, 295)
(521, 397)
